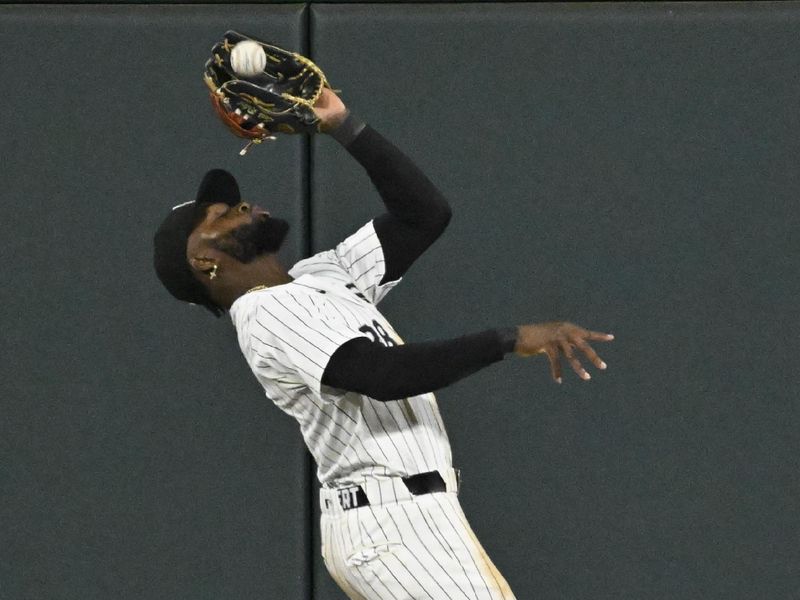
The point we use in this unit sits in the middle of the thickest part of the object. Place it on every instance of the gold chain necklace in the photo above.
(255, 289)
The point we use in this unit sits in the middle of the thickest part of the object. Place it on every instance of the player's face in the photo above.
(244, 231)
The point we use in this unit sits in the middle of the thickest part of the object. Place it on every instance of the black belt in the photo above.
(422, 483)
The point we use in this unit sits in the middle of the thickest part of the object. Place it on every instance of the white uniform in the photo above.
(398, 546)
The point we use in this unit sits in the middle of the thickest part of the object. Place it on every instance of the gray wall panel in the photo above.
(140, 458)
(632, 168)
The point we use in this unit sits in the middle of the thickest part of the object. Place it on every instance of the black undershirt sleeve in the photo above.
(417, 212)
(397, 372)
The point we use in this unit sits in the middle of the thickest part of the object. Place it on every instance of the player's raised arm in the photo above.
(396, 372)
(417, 213)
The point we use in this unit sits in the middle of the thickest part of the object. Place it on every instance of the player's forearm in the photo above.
(398, 372)
(417, 213)
(407, 193)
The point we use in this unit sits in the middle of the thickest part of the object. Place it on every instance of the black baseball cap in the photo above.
(169, 256)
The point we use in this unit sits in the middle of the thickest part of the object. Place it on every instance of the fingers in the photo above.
(569, 353)
(578, 340)
(555, 364)
(600, 337)
(563, 338)
(590, 354)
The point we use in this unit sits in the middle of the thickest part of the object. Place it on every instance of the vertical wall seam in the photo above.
(308, 165)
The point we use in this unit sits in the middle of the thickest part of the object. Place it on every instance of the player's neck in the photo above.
(264, 271)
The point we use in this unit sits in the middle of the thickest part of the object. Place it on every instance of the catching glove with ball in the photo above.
(258, 89)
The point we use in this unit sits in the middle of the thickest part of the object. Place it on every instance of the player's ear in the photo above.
(205, 266)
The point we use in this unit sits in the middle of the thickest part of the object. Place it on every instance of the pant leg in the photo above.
(421, 549)
(489, 572)
(334, 553)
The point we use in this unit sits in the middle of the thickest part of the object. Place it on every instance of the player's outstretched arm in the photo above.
(396, 372)
(417, 212)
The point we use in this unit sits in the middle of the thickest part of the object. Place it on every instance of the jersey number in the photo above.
(378, 334)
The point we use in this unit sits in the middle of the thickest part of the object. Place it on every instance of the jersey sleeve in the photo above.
(295, 335)
(361, 255)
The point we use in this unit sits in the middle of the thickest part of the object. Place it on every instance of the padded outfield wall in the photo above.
(631, 167)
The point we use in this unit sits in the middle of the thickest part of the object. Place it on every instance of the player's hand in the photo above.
(557, 338)
(330, 109)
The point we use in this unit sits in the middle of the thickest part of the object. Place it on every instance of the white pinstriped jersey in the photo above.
(289, 332)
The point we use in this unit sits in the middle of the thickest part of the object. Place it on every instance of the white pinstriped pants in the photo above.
(415, 548)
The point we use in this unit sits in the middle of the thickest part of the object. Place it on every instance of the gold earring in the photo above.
(213, 273)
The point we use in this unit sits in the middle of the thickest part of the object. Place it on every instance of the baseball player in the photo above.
(392, 527)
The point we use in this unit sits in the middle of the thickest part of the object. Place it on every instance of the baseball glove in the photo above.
(277, 100)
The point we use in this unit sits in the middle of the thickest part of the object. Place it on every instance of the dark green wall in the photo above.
(139, 460)
(631, 167)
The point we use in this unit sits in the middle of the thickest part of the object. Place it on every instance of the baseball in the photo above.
(248, 58)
